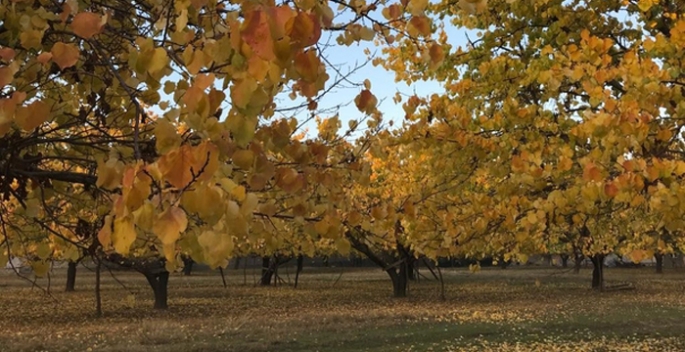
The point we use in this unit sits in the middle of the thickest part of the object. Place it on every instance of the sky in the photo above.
(383, 84)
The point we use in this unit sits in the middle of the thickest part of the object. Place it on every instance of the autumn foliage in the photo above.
(152, 129)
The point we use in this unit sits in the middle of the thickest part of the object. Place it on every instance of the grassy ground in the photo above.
(493, 310)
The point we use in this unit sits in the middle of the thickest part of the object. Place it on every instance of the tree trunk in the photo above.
(236, 264)
(659, 263)
(399, 281)
(98, 296)
(578, 262)
(159, 283)
(598, 272)
(411, 268)
(267, 271)
(188, 266)
(564, 260)
(300, 262)
(71, 276)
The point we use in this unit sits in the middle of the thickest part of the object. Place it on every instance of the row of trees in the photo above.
(148, 131)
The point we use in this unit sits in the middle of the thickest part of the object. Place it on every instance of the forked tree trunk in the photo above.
(578, 258)
(159, 283)
(71, 277)
(598, 272)
(659, 263)
(564, 260)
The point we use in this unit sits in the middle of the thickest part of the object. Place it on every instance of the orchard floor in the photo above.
(518, 309)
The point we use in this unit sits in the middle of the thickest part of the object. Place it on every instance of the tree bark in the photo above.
(598, 272)
(411, 268)
(188, 265)
(300, 263)
(71, 277)
(578, 262)
(399, 281)
(159, 283)
(267, 271)
(564, 260)
(659, 263)
(98, 296)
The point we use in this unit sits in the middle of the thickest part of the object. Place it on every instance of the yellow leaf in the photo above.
(243, 159)
(343, 246)
(87, 24)
(109, 174)
(144, 216)
(124, 234)
(65, 55)
(249, 204)
(31, 39)
(40, 267)
(157, 61)
(166, 137)
(169, 225)
(43, 251)
(416, 7)
(238, 193)
(645, 5)
(241, 92)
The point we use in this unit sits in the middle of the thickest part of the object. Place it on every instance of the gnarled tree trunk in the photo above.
(399, 280)
(154, 271)
(598, 272)
(159, 283)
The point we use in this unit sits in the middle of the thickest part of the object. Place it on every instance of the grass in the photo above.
(518, 309)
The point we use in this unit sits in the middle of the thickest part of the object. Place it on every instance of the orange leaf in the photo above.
(32, 116)
(282, 22)
(175, 166)
(591, 172)
(206, 156)
(43, 58)
(419, 25)
(365, 101)
(437, 54)
(610, 189)
(7, 54)
(87, 24)
(65, 55)
(256, 33)
(306, 30)
(307, 65)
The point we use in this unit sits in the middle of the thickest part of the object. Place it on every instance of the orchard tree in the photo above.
(583, 100)
(78, 81)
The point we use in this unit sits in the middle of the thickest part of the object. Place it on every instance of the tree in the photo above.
(583, 106)
(78, 82)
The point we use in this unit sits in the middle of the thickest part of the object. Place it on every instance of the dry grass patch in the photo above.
(494, 310)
